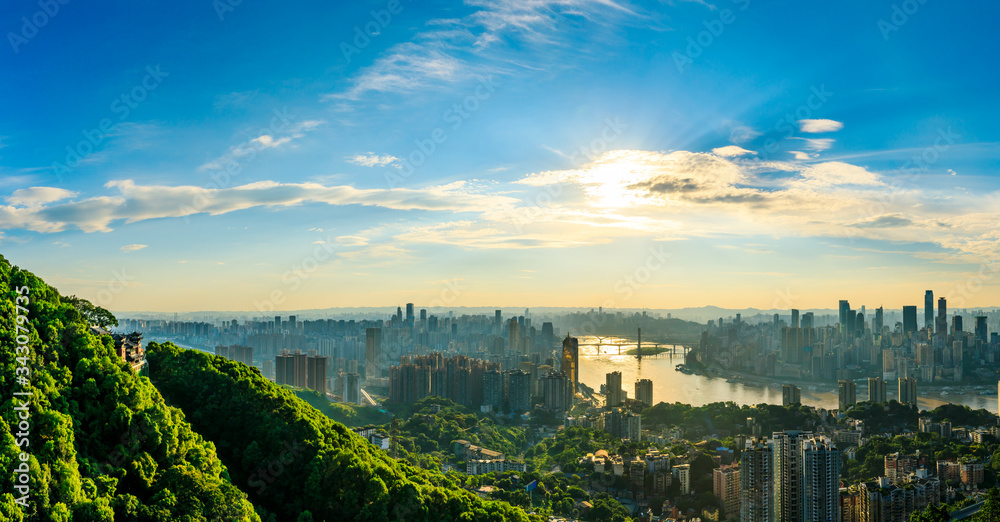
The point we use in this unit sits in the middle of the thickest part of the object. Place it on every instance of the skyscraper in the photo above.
(756, 481)
(909, 319)
(409, 314)
(981, 332)
(847, 392)
(879, 320)
(941, 323)
(908, 390)
(373, 353)
(795, 318)
(513, 336)
(820, 481)
(570, 363)
(644, 391)
(876, 390)
(929, 309)
(614, 389)
(845, 306)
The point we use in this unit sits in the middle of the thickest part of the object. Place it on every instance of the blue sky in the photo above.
(259, 156)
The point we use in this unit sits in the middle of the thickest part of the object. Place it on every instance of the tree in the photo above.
(991, 508)
(931, 514)
(95, 315)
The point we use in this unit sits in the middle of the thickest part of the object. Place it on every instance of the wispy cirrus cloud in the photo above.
(272, 139)
(453, 50)
(141, 202)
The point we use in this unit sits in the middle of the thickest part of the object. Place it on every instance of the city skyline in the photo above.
(546, 154)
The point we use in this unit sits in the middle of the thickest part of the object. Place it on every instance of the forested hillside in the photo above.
(101, 442)
(296, 462)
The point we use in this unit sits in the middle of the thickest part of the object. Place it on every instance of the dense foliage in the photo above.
(293, 460)
(350, 415)
(434, 423)
(721, 417)
(103, 444)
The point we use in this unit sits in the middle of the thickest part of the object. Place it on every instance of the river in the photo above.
(671, 386)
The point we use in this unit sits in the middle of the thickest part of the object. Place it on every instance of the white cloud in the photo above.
(820, 126)
(801, 156)
(133, 247)
(38, 195)
(140, 202)
(839, 173)
(730, 151)
(372, 160)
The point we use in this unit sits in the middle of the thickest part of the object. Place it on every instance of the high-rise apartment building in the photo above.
(908, 390)
(788, 501)
(316, 374)
(556, 392)
(847, 394)
(493, 390)
(373, 353)
(726, 486)
(790, 394)
(517, 390)
(756, 481)
(820, 481)
(613, 389)
(644, 391)
(876, 390)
